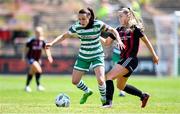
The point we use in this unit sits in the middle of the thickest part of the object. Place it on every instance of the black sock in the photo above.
(109, 90)
(38, 75)
(28, 80)
(133, 90)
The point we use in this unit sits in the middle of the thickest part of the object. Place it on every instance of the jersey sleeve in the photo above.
(103, 26)
(29, 42)
(72, 29)
(112, 35)
(139, 32)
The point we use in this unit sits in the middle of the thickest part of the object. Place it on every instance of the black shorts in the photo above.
(130, 63)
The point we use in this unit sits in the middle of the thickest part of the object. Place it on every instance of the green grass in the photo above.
(165, 96)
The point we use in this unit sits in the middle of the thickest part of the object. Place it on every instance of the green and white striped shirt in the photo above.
(91, 46)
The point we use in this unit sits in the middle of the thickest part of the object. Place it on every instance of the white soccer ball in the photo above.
(62, 100)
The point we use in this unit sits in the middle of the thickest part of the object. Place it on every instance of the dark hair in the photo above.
(88, 12)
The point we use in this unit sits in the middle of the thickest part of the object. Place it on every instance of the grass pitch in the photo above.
(165, 96)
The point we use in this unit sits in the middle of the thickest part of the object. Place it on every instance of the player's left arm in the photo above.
(116, 34)
(25, 50)
(48, 54)
(151, 49)
(107, 42)
(26, 47)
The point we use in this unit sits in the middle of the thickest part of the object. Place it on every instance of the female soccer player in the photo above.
(130, 32)
(88, 30)
(115, 55)
(115, 59)
(33, 51)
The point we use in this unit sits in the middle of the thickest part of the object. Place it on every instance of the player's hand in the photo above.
(156, 59)
(50, 59)
(121, 45)
(48, 45)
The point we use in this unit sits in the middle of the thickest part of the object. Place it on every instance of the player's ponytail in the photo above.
(138, 22)
(133, 20)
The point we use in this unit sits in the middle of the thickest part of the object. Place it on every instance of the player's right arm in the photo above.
(60, 38)
(69, 34)
(114, 33)
(25, 50)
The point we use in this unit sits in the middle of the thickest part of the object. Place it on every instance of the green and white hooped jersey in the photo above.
(91, 46)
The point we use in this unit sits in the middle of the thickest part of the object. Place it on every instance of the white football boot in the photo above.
(28, 89)
(40, 88)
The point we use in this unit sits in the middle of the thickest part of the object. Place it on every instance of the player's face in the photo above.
(83, 19)
(123, 19)
(39, 35)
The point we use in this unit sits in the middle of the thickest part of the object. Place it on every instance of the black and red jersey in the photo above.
(130, 37)
(35, 48)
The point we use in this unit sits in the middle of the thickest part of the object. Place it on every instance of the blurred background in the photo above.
(18, 18)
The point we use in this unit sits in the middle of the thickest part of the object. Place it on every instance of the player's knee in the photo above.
(121, 87)
(109, 78)
(101, 81)
(40, 71)
(75, 82)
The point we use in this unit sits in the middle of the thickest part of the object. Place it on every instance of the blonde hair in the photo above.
(133, 20)
(40, 32)
(39, 29)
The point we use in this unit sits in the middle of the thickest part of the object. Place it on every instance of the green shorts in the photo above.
(84, 64)
(115, 57)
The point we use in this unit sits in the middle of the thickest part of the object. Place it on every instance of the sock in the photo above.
(28, 80)
(102, 89)
(109, 90)
(38, 75)
(133, 90)
(82, 86)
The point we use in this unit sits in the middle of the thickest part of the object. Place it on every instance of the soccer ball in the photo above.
(62, 100)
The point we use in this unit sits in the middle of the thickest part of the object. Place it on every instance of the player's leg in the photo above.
(115, 59)
(100, 75)
(28, 80)
(121, 92)
(29, 75)
(98, 66)
(116, 71)
(121, 82)
(132, 90)
(38, 70)
(79, 69)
